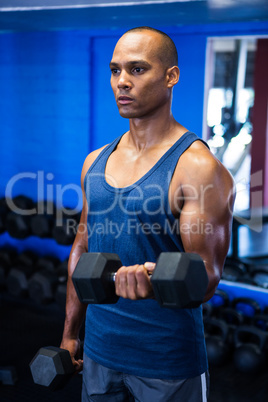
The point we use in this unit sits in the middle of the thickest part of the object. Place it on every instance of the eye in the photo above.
(138, 70)
(115, 71)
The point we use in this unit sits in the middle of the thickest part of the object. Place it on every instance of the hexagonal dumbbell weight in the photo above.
(179, 280)
(65, 226)
(93, 278)
(52, 367)
(19, 274)
(43, 221)
(8, 375)
(43, 283)
(17, 221)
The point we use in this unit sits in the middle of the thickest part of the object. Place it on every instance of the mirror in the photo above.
(229, 98)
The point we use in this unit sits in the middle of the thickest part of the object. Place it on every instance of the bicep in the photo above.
(206, 218)
(205, 234)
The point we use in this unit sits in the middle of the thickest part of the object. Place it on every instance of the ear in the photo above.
(173, 75)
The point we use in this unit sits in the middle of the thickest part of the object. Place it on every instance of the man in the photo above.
(156, 188)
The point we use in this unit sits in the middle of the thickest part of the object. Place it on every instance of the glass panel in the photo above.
(229, 100)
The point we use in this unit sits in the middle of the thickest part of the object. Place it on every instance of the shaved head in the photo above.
(167, 51)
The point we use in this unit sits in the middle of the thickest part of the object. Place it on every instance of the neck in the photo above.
(149, 131)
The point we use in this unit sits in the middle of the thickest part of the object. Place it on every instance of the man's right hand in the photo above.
(74, 348)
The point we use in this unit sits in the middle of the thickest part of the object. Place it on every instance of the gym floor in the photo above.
(25, 327)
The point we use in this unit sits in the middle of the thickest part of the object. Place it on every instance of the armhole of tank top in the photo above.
(188, 146)
(173, 171)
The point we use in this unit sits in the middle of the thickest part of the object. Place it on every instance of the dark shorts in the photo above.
(101, 384)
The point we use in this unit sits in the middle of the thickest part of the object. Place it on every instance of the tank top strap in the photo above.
(169, 160)
(180, 146)
(103, 156)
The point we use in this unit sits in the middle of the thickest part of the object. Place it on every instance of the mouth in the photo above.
(124, 100)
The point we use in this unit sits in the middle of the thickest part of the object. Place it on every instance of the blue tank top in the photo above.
(135, 222)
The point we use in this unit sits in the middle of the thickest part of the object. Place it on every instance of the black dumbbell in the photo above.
(7, 257)
(65, 227)
(52, 367)
(231, 316)
(18, 223)
(43, 221)
(8, 375)
(233, 319)
(18, 276)
(179, 280)
(249, 354)
(217, 341)
(234, 270)
(43, 282)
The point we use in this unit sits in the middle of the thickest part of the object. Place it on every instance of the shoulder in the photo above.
(200, 166)
(89, 161)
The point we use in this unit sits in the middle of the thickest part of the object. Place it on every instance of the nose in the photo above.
(124, 81)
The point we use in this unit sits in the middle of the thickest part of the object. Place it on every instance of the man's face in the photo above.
(138, 77)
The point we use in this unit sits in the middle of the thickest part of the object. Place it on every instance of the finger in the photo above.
(117, 276)
(121, 282)
(78, 365)
(132, 283)
(144, 287)
(149, 266)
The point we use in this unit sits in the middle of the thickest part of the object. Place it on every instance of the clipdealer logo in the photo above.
(46, 189)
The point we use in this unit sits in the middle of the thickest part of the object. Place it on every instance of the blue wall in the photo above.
(44, 111)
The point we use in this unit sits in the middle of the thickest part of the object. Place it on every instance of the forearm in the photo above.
(75, 313)
(75, 310)
(213, 249)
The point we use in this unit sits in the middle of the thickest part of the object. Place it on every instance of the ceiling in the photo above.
(31, 15)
